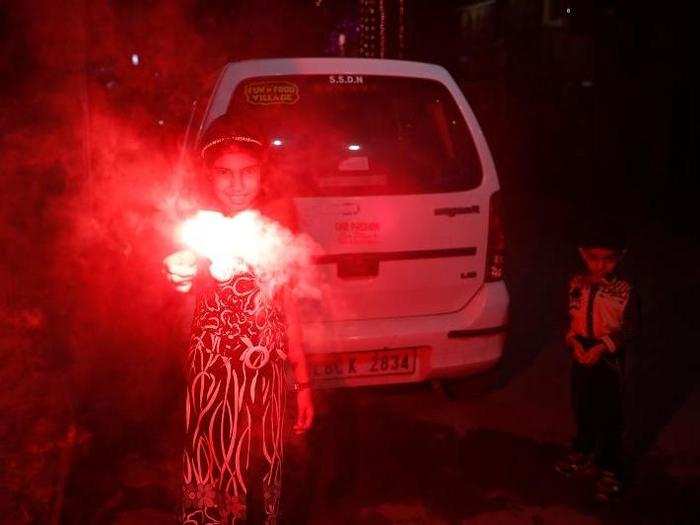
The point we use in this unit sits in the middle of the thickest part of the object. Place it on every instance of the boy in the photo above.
(603, 310)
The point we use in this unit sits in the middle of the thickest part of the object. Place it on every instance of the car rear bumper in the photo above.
(467, 341)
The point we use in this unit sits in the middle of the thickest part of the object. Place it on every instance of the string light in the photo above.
(382, 30)
(368, 28)
(402, 14)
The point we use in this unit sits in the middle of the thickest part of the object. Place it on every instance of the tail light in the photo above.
(495, 251)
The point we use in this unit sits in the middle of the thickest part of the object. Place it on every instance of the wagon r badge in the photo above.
(451, 212)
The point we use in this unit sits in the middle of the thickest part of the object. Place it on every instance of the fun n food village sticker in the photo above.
(272, 92)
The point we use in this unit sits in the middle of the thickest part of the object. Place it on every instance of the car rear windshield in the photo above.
(360, 135)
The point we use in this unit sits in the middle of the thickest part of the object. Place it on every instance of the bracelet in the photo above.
(298, 387)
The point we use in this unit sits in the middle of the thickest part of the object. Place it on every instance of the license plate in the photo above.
(363, 364)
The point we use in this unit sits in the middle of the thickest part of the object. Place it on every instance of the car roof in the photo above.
(331, 65)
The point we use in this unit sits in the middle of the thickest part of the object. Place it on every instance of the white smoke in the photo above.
(248, 241)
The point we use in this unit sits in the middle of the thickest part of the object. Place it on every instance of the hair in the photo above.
(227, 132)
(605, 233)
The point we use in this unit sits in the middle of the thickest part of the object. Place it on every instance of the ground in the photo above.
(413, 455)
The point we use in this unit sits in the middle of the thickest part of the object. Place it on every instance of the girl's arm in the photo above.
(295, 350)
(305, 407)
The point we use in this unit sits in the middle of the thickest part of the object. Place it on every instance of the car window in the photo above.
(356, 135)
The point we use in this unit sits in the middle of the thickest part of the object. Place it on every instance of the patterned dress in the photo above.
(235, 405)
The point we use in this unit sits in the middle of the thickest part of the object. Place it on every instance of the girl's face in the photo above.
(235, 176)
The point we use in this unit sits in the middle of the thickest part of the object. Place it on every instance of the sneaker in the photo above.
(608, 487)
(574, 463)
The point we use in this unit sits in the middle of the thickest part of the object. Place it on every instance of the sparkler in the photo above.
(248, 241)
(222, 240)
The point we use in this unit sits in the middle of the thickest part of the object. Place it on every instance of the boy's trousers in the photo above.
(596, 395)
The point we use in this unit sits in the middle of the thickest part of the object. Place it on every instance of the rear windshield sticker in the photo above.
(268, 93)
(346, 79)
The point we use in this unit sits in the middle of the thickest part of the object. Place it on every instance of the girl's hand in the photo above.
(180, 269)
(578, 352)
(305, 411)
(594, 354)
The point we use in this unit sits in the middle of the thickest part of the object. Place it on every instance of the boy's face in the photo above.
(600, 262)
(236, 179)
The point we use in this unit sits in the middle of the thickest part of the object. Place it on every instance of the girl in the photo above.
(235, 368)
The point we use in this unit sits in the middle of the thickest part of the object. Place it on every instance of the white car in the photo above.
(392, 176)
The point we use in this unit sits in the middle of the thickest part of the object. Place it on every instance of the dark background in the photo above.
(589, 109)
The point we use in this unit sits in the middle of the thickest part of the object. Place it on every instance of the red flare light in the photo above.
(247, 241)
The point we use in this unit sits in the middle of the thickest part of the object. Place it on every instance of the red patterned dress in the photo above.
(235, 405)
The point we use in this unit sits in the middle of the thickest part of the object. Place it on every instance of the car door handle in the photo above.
(452, 211)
